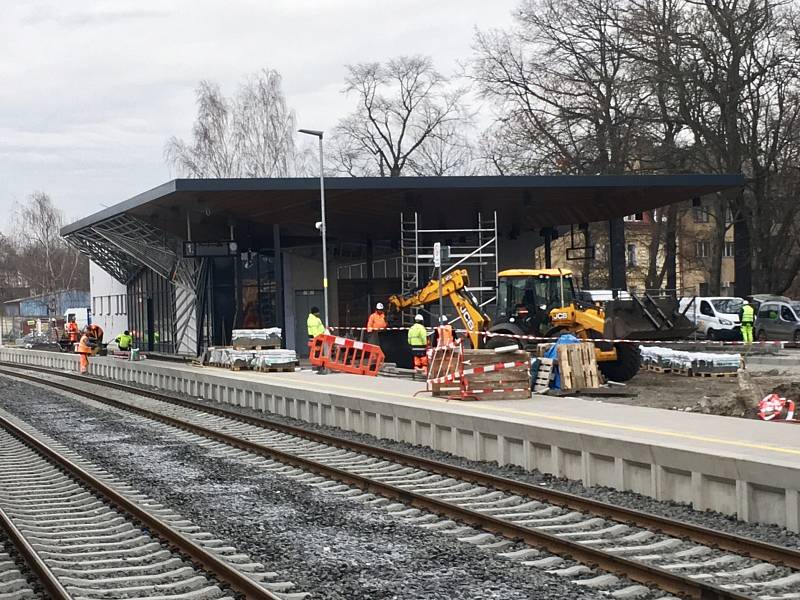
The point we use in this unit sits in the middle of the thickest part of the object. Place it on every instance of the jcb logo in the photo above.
(560, 316)
(467, 317)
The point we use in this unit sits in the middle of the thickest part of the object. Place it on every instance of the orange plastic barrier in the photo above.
(345, 355)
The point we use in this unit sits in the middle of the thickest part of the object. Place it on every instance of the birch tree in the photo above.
(249, 135)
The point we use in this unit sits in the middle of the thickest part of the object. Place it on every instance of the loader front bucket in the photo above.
(646, 319)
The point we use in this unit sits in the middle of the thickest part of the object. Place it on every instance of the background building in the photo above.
(645, 251)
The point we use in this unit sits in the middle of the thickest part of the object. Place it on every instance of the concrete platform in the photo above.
(746, 468)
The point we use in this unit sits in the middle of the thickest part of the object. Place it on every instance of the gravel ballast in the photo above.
(684, 512)
(329, 546)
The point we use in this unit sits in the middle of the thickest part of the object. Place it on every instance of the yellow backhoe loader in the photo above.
(543, 302)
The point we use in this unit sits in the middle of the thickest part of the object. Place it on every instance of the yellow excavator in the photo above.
(543, 302)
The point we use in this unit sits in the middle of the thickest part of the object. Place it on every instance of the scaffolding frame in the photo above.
(478, 254)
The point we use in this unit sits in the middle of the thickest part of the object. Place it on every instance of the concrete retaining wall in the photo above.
(751, 490)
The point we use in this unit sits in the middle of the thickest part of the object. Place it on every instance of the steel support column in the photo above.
(616, 254)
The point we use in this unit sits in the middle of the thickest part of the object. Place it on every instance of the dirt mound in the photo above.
(790, 391)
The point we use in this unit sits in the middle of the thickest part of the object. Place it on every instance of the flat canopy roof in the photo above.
(371, 206)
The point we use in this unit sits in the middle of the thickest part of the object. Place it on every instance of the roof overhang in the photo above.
(356, 206)
(358, 209)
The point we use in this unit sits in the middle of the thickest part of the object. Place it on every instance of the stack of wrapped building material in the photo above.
(259, 360)
(256, 339)
(689, 363)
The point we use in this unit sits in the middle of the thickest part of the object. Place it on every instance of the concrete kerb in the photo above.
(732, 484)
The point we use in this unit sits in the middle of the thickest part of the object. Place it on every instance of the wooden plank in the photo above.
(505, 395)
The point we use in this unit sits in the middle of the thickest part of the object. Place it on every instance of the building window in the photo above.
(700, 214)
(94, 305)
(702, 249)
(631, 255)
(728, 251)
(637, 218)
(108, 306)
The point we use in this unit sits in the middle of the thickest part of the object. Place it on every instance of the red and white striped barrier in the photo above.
(538, 338)
(490, 368)
(499, 390)
(477, 371)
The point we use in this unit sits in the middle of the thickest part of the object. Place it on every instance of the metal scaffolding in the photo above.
(474, 249)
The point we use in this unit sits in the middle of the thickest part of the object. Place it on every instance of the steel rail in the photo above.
(45, 576)
(637, 571)
(225, 572)
(757, 549)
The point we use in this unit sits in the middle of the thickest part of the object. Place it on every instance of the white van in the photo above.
(716, 317)
(81, 316)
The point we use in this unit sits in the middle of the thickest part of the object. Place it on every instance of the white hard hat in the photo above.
(419, 317)
(745, 302)
(379, 306)
(443, 318)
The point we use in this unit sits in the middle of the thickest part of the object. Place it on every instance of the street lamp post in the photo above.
(323, 226)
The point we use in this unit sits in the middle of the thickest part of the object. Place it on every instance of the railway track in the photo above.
(83, 535)
(598, 545)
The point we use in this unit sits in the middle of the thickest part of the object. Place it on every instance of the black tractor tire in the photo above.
(500, 341)
(625, 367)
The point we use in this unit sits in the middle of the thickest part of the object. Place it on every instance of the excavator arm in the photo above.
(452, 286)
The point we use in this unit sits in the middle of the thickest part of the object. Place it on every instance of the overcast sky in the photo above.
(91, 90)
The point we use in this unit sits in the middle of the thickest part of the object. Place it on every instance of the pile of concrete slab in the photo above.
(256, 339)
(667, 359)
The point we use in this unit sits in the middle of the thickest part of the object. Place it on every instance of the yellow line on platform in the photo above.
(573, 420)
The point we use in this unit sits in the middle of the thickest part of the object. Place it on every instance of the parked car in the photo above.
(778, 321)
(716, 317)
(758, 299)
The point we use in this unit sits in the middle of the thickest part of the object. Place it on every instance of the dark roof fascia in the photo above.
(117, 209)
(716, 181)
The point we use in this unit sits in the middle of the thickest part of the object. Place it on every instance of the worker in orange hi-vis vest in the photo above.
(375, 323)
(86, 347)
(73, 332)
(444, 333)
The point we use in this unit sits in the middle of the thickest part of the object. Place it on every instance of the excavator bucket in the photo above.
(646, 318)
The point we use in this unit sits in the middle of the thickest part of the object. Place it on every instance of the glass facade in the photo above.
(240, 294)
(151, 312)
(237, 294)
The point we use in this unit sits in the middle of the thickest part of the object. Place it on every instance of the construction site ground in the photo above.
(713, 395)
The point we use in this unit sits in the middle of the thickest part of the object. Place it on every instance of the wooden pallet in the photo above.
(515, 382)
(712, 374)
(578, 366)
(289, 368)
(657, 369)
(543, 376)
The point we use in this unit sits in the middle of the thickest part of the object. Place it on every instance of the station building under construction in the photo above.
(192, 259)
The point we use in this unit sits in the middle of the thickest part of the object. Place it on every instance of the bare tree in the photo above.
(402, 104)
(47, 262)
(566, 84)
(250, 135)
(447, 152)
(716, 61)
